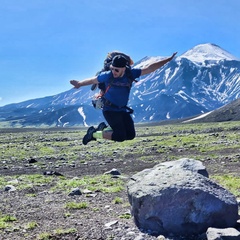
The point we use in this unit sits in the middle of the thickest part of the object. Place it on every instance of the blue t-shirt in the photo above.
(119, 90)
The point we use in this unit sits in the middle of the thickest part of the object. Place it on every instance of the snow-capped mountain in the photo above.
(202, 79)
(207, 52)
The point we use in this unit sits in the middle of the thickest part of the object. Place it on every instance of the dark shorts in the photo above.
(121, 124)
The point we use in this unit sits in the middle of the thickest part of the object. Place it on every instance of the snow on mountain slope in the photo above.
(205, 77)
(202, 79)
(207, 52)
(147, 61)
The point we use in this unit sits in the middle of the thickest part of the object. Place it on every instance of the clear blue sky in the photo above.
(45, 43)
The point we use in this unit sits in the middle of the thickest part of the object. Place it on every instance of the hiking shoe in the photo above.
(101, 126)
(89, 136)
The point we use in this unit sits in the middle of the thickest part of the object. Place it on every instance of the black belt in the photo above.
(108, 103)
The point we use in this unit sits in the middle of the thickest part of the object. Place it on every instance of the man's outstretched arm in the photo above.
(154, 66)
(85, 82)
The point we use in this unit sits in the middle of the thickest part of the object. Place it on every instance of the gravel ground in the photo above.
(102, 218)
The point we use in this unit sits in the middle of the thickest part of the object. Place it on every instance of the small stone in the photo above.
(75, 191)
(111, 223)
(130, 233)
(86, 191)
(50, 173)
(32, 160)
(9, 188)
(139, 237)
(114, 172)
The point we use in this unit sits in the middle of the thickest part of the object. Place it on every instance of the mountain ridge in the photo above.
(182, 88)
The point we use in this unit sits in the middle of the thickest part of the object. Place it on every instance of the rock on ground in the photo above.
(172, 198)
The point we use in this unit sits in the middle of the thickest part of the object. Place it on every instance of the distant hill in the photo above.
(229, 112)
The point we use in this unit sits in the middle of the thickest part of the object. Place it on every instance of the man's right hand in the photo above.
(75, 83)
(85, 82)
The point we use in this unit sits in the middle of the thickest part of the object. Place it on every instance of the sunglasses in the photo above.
(115, 69)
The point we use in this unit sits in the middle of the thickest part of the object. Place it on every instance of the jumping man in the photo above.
(116, 97)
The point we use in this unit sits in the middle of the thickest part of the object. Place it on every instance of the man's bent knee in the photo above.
(119, 137)
(131, 136)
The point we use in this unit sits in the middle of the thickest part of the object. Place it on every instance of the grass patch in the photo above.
(3, 182)
(26, 181)
(31, 226)
(64, 231)
(229, 182)
(103, 183)
(74, 205)
(44, 236)
(5, 221)
(57, 234)
(3, 225)
(125, 216)
(7, 218)
(117, 200)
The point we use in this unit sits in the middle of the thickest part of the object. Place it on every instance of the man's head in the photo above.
(118, 66)
(119, 61)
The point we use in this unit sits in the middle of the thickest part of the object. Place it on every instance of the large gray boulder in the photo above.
(176, 198)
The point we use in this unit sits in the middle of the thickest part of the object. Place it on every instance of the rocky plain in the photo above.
(54, 187)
